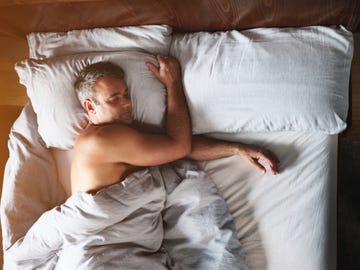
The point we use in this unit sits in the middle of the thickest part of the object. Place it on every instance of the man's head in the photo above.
(102, 91)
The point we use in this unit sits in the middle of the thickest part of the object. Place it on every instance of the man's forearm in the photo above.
(178, 124)
(207, 149)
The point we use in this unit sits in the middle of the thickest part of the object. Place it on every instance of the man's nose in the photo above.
(126, 102)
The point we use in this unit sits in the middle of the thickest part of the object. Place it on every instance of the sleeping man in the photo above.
(136, 203)
(104, 95)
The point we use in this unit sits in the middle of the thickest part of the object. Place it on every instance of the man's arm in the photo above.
(112, 143)
(208, 149)
(178, 124)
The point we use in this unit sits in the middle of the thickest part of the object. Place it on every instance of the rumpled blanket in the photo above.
(164, 217)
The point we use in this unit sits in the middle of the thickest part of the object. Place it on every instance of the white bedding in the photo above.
(159, 217)
(287, 221)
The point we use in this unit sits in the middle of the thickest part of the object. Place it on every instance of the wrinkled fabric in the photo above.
(168, 217)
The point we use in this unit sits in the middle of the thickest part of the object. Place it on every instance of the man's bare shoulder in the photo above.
(95, 136)
(105, 131)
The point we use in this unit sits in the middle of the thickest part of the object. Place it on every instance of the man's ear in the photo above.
(89, 106)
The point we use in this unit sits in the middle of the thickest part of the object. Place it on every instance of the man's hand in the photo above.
(259, 158)
(168, 72)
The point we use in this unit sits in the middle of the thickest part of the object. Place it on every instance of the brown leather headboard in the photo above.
(21, 17)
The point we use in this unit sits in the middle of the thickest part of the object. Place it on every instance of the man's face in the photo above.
(114, 101)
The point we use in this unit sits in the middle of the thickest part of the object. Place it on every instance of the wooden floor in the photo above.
(8, 114)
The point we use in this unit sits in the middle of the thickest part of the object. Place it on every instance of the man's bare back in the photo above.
(89, 174)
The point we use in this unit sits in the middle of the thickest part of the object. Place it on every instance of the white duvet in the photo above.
(168, 217)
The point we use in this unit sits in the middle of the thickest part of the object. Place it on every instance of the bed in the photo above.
(296, 108)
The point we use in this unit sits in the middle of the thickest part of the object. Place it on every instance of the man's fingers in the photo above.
(161, 57)
(154, 69)
(262, 160)
(268, 156)
(257, 165)
(262, 165)
(272, 164)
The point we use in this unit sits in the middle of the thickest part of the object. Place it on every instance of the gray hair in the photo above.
(90, 74)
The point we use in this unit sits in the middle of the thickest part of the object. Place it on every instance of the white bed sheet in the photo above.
(287, 221)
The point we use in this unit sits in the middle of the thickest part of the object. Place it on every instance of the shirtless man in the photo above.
(145, 222)
(112, 146)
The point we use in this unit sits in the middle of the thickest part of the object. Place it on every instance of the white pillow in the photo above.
(60, 116)
(267, 79)
(150, 38)
(257, 80)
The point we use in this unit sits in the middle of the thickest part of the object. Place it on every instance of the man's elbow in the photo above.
(189, 144)
(187, 150)
(184, 149)
(181, 148)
